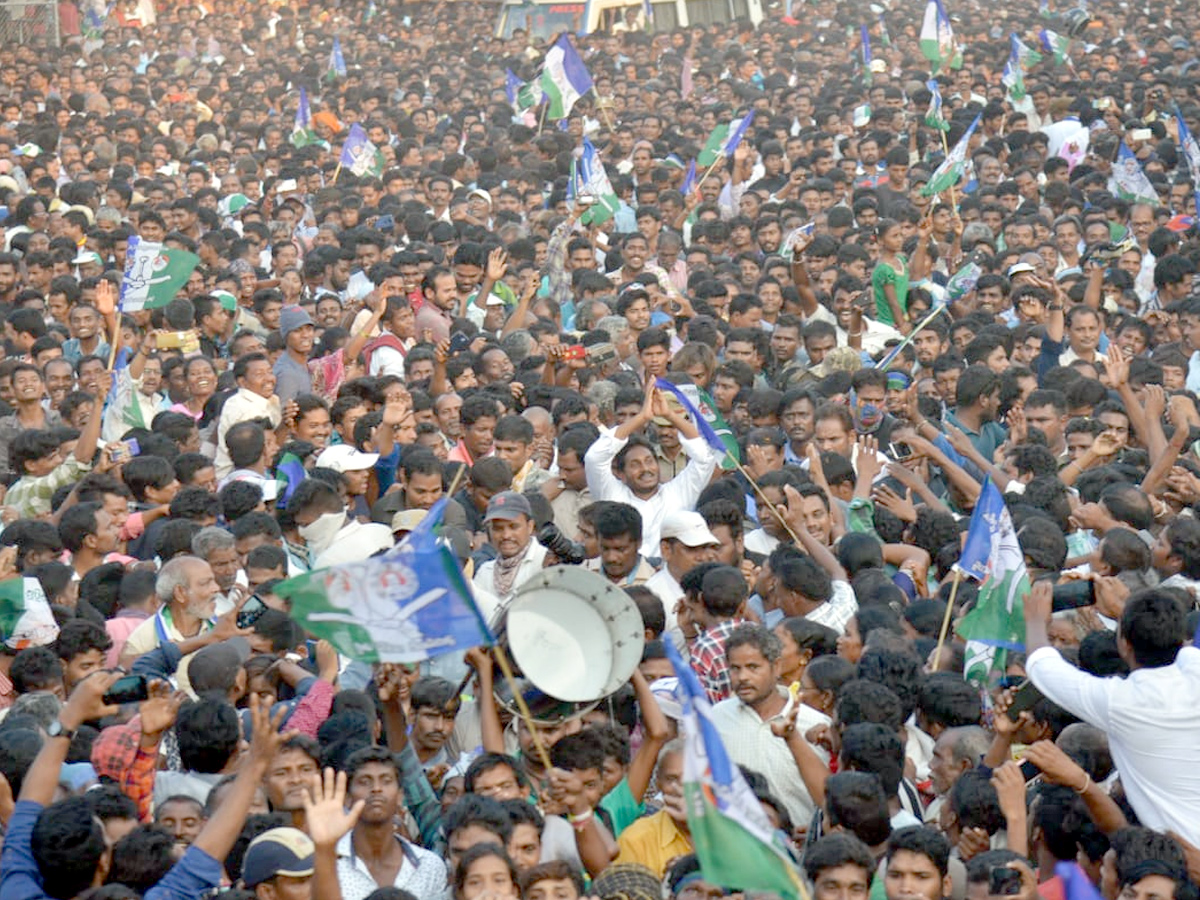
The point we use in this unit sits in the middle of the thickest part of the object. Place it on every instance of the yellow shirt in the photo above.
(653, 841)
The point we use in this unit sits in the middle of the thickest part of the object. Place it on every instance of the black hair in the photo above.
(876, 749)
(142, 858)
(208, 733)
(838, 849)
(858, 802)
(483, 812)
(1153, 624)
(866, 701)
(67, 844)
(577, 752)
(947, 701)
(924, 841)
(484, 763)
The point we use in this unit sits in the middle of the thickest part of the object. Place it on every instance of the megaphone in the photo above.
(574, 638)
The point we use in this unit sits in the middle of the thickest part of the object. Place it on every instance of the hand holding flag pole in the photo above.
(106, 305)
(718, 446)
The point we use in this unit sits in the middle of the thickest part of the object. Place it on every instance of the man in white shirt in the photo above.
(757, 733)
(255, 399)
(1149, 717)
(636, 478)
(685, 542)
(510, 526)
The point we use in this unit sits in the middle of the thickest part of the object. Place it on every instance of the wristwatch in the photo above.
(56, 729)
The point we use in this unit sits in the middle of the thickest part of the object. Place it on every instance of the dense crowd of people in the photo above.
(449, 313)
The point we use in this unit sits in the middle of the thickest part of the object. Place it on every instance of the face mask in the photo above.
(320, 534)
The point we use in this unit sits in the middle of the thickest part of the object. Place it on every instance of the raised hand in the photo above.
(325, 813)
(497, 265)
(1056, 766)
(902, 508)
(158, 712)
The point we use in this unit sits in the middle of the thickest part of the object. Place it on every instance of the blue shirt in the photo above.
(195, 873)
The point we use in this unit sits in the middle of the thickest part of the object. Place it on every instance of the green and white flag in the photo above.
(593, 182)
(992, 555)
(154, 274)
(937, 38)
(303, 134)
(25, 616)
(564, 78)
(950, 171)
(407, 605)
(1056, 45)
(724, 140)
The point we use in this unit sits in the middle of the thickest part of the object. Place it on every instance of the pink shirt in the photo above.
(119, 629)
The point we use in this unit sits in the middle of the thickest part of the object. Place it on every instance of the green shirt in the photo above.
(622, 807)
(884, 274)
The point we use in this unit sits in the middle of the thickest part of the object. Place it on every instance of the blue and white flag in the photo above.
(359, 155)
(704, 413)
(337, 62)
(993, 556)
(689, 179)
(738, 133)
(1191, 155)
(593, 181)
(408, 605)
(564, 78)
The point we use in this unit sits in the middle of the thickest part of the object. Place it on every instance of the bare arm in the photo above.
(85, 449)
(491, 727)
(657, 731)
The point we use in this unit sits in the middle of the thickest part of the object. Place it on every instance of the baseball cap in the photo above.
(87, 257)
(232, 205)
(228, 301)
(408, 519)
(345, 458)
(1020, 268)
(482, 195)
(280, 851)
(293, 317)
(689, 528)
(508, 505)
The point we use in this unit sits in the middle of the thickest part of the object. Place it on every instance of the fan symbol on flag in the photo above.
(160, 262)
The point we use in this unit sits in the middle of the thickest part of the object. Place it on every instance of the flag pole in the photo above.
(542, 120)
(771, 506)
(908, 339)
(708, 172)
(937, 654)
(603, 109)
(522, 706)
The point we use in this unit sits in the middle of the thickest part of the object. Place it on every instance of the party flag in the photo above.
(359, 155)
(407, 605)
(935, 116)
(564, 78)
(1128, 181)
(154, 274)
(950, 171)
(992, 555)
(937, 38)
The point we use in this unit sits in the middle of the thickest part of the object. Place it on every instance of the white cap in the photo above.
(344, 458)
(688, 528)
